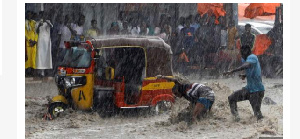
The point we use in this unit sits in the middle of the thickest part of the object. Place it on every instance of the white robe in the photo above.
(43, 54)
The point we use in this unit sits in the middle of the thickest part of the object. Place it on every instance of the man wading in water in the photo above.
(202, 96)
(254, 90)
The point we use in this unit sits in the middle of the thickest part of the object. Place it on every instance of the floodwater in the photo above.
(217, 124)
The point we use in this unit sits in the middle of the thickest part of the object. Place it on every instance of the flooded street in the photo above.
(218, 124)
(125, 55)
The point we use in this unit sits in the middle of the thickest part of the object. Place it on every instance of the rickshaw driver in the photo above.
(202, 96)
(106, 68)
(101, 66)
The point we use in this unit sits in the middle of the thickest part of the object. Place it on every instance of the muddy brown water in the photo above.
(217, 124)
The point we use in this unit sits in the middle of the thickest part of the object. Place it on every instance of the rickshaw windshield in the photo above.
(76, 57)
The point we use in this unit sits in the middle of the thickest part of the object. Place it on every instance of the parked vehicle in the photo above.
(256, 27)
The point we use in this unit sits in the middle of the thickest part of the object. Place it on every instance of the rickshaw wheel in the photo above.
(162, 107)
(56, 108)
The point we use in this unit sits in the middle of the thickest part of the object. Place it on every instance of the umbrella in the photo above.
(260, 9)
(211, 8)
(262, 43)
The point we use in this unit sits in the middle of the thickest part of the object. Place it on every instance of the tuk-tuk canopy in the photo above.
(158, 53)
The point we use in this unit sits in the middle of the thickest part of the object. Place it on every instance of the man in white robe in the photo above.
(43, 55)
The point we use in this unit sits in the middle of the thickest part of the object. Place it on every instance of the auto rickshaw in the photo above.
(112, 73)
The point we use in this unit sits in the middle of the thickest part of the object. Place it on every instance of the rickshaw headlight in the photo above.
(67, 83)
(72, 81)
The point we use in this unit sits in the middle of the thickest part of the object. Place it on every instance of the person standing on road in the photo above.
(57, 25)
(135, 30)
(182, 62)
(200, 95)
(181, 24)
(254, 90)
(231, 48)
(78, 29)
(187, 36)
(126, 30)
(196, 23)
(64, 34)
(165, 33)
(247, 37)
(232, 35)
(31, 38)
(121, 19)
(94, 31)
(44, 57)
(114, 29)
(144, 30)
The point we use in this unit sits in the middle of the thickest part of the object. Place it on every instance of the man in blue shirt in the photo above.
(254, 90)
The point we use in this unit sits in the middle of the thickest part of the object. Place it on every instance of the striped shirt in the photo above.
(200, 91)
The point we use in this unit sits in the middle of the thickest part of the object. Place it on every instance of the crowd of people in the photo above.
(44, 41)
(38, 43)
(191, 41)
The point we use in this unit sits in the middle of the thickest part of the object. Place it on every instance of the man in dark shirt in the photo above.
(187, 34)
(202, 96)
(247, 37)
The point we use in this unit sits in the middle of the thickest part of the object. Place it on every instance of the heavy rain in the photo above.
(153, 70)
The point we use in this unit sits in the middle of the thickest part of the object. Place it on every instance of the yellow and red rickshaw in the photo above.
(113, 73)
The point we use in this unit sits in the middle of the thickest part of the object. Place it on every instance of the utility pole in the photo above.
(231, 12)
(176, 7)
(102, 19)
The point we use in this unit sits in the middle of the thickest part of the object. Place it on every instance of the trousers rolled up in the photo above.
(255, 99)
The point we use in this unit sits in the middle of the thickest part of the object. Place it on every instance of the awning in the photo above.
(260, 9)
(211, 8)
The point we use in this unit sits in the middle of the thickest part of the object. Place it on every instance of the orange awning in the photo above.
(211, 8)
(260, 9)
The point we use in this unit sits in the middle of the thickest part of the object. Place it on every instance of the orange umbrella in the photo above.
(211, 8)
(241, 12)
(260, 9)
(262, 43)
